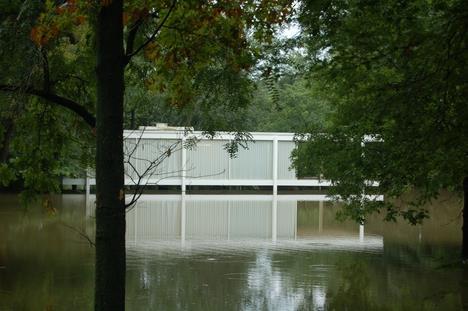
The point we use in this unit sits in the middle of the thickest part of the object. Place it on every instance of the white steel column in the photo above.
(295, 221)
(274, 218)
(182, 218)
(87, 186)
(183, 210)
(274, 211)
(87, 193)
(135, 223)
(229, 221)
(320, 220)
(275, 166)
(183, 164)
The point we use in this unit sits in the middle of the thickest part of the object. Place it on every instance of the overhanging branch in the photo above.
(56, 99)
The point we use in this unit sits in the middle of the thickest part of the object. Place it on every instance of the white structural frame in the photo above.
(183, 180)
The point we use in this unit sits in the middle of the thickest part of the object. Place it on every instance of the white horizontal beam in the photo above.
(241, 197)
(256, 136)
(211, 182)
(233, 197)
(215, 182)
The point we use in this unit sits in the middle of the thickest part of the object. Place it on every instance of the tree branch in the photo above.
(151, 38)
(45, 70)
(80, 233)
(56, 99)
(131, 39)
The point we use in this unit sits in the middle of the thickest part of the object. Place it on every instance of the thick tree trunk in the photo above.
(465, 220)
(110, 209)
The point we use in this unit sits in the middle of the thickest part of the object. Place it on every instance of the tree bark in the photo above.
(465, 220)
(5, 144)
(110, 198)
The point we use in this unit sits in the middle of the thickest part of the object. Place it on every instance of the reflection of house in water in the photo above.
(202, 217)
(244, 218)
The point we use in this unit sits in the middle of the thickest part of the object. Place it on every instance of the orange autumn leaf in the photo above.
(42, 34)
(37, 35)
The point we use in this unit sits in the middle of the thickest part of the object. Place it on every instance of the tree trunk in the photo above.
(464, 287)
(110, 209)
(5, 144)
(465, 220)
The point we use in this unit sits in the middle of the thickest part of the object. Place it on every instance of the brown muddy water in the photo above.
(218, 254)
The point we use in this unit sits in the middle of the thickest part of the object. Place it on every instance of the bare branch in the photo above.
(149, 171)
(80, 233)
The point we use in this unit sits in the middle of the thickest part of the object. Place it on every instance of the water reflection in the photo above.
(160, 219)
(229, 259)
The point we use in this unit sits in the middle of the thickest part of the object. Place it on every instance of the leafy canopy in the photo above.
(396, 69)
(194, 57)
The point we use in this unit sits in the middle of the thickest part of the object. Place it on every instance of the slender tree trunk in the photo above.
(110, 210)
(5, 144)
(465, 220)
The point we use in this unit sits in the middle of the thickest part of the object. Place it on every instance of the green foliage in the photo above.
(298, 106)
(289, 102)
(7, 175)
(395, 69)
(187, 63)
(219, 103)
(41, 142)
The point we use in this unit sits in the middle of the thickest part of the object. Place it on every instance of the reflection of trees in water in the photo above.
(42, 263)
(309, 214)
(354, 292)
(363, 285)
(178, 281)
(269, 288)
(420, 254)
(442, 228)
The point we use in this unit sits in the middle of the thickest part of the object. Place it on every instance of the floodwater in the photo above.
(225, 254)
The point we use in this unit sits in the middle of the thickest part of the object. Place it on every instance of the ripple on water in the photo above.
(216, 250)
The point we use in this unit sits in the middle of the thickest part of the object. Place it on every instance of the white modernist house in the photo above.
(265, 162)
